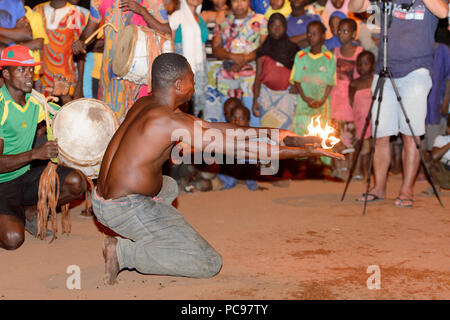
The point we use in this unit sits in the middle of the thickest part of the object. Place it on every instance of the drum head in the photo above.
(84, 128)
(124, 50)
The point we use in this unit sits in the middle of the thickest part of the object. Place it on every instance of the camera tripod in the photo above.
(378, 93)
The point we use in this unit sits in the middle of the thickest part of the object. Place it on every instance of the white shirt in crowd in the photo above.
(441, 141)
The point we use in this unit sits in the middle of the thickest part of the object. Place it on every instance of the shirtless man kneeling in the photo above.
(134, 199)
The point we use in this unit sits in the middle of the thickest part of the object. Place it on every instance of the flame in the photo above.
(315, 129)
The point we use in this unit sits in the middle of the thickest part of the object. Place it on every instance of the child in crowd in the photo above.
(341, 111)
(439, 96)
(239, 116)
(228, 106)
(298, 21)
(330, 7)
(272, 100)
(360, 95)
(279, 6)
(441, 157)
(334, 21)
(313, 75)
(192, 178)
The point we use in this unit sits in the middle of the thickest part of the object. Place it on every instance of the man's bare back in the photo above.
(133, 161)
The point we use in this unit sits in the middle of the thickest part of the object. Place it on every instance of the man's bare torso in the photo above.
(133, 161)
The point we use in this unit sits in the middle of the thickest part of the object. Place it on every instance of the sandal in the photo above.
(373, 199)
(400, 203)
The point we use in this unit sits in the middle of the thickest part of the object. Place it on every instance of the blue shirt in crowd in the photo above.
(410, 39)
(10, 12)
(260, 6)
(332, 43)
(297, 25)
(440, 74)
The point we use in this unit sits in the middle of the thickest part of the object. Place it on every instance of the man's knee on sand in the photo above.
(211, 265)
(75, 184)
(200, 263)
(12, 240)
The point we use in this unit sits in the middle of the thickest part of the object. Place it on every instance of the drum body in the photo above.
(84, 128)
(136, 48)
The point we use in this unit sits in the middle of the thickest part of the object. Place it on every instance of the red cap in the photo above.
(17, 55)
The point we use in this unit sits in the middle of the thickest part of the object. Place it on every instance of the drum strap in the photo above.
(130, 15)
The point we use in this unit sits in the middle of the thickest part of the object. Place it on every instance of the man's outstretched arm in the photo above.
(237, 143)
(251, 132)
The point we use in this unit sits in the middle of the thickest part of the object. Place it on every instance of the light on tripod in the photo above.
(315, 129)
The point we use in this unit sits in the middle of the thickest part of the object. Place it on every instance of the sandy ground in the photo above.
(299, 242)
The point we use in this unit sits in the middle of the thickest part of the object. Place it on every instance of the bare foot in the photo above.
(111, 261)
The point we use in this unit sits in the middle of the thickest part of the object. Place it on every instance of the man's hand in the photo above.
(319, 152)
(239, 59)
(256, 109)
(45, 151)
(60, 86)
(78, 47)
(317, 104)
(308, 100)
(131, 5)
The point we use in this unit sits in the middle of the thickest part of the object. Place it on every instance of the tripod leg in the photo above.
(380, 83)
(422, 158)
(359, 147)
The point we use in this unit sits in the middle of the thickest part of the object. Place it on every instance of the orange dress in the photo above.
(63, 26)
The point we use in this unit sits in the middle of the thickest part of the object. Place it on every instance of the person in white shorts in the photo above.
(410, 55)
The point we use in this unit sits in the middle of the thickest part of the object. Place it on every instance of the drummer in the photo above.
(20, 113)
(120, 94)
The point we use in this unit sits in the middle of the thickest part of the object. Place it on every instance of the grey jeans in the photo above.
(158, 238)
